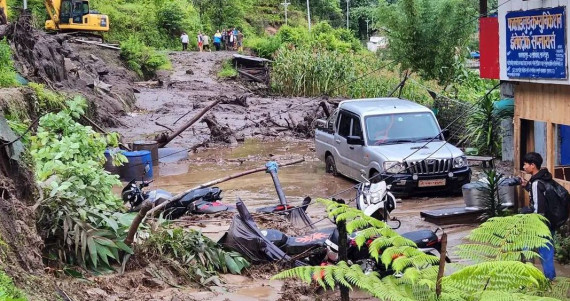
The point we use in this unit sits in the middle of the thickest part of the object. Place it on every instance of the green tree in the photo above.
(426, 35)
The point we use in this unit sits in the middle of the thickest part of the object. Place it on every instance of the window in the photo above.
(562, 151)
(65, 13)
(344, 124)
(397, 127)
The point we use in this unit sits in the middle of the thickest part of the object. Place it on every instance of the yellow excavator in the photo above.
(67, 15)
(74, 15)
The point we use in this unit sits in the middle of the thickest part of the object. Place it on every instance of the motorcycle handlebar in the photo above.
(145, 184)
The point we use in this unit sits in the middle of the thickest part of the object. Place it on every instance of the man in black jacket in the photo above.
(535, 186)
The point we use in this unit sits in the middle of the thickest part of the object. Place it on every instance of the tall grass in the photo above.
(310, 72)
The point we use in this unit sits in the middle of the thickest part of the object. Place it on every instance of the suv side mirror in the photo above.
(354, 140)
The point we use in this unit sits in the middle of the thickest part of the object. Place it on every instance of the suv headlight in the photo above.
(394, 167)
(460, 162)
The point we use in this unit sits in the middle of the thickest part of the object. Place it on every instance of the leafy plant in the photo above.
(491, 195)
(197, 255)
(497, 274)
(8, 292)
(78, 212)
(562, 245)
(227, 70)
(484, 127)
(142, 59)
(413, 28)
(7, 71)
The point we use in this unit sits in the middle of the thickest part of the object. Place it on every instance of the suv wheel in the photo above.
(330, 165)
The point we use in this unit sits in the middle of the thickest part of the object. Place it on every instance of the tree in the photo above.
(427, 35)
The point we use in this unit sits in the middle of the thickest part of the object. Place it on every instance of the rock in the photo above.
(96, 292)
(70, 66)
(189, 71)
(153, 282)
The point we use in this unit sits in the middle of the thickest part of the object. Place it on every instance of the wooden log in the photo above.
(164, 142)
(217, 181)
(253, 77)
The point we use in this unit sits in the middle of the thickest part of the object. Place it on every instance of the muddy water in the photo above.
(298, 181)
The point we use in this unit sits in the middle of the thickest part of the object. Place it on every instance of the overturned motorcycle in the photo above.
(197, 201)
(321, 246)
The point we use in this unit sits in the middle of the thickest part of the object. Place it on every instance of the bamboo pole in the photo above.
(442, 256)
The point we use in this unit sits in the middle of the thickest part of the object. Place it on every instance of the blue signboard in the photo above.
(536, 43)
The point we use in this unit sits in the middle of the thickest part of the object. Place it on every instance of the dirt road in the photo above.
(191, 86)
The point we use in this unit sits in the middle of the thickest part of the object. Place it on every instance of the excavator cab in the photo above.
(74, 15)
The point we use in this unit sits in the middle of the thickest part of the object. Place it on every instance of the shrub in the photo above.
(8, 292)
(227, 70)
(144, 60)
(199, 256)
(7, 71)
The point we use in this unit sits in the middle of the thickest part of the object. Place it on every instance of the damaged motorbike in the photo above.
(320, 247)
(197, 201)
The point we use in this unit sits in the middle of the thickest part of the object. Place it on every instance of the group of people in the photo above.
(227, 39)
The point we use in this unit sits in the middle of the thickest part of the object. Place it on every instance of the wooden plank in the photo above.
(550, 152)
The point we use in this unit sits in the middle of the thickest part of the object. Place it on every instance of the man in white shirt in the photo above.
(184, 39)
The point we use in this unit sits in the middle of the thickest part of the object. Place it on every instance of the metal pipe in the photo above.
(272, 170)
(309, 15)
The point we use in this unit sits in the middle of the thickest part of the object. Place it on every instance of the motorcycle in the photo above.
(376, 200)
(197, 201)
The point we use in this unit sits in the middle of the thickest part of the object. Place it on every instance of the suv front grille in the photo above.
(429, 166)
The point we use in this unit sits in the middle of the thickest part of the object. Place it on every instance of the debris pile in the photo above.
(90, 70)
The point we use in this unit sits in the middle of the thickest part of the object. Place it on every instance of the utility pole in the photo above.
(347, 4)
(367, 37)
(285, 4)
(309, 15)
(25, 4)
(482, 8)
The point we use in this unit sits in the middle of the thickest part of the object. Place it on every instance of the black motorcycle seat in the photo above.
(421, 237)
(313, 240)
(277, 237)
(209, 194)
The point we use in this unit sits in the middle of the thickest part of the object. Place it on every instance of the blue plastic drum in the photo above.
(135, 168)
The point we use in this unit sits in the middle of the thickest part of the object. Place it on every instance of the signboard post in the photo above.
(536, 43)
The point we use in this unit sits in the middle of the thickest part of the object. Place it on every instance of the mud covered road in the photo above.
(263, 135)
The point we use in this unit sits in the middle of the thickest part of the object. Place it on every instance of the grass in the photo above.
(228, 70)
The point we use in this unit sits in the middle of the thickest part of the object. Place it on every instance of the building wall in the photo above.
(546, 104)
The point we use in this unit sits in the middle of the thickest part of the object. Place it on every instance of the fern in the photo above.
(507, 238)
(505, 276)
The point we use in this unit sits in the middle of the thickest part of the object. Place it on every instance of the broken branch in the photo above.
(162, 143)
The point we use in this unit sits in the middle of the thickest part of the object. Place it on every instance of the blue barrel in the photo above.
(109, 161)
(134, 169)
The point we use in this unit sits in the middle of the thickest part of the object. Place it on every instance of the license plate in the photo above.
(431, 183)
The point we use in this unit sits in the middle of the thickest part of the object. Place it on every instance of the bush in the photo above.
(144, 60)
(7, 71)
(227, 70)
(8, 292)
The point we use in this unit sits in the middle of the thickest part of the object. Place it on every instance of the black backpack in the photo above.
(557, 203)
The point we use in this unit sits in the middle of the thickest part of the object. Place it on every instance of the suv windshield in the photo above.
(400, 128)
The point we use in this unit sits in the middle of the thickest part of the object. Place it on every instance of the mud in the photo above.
(186, 93)
(96, 73)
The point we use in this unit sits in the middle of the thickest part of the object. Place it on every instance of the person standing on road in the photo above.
(184, 39)
(240, 41)
(206, 41)
(200, 41)
(217, 40)
(536, 187)
(235, 35)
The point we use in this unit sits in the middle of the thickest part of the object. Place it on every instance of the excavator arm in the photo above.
(53, 7)
(3, 12)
